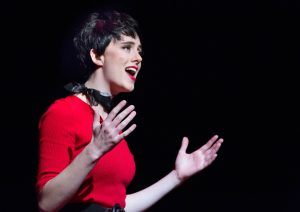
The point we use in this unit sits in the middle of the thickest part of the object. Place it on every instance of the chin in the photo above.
(129, 89)
(125, 89)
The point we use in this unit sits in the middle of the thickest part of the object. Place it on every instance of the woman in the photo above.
(85, 163)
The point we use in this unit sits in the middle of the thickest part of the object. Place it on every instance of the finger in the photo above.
(184, 145)
(217, 145)
(122, 115)
(125, 122)
(126, 132)
(211, 159)
(96, 113)
(116, 110)
(209, 143)
(214, 148)
(96, 120)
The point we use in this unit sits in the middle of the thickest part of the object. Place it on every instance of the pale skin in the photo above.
(110, 76)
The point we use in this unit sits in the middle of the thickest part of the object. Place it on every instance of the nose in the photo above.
(137, 57)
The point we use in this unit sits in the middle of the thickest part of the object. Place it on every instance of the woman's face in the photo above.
(121, 63)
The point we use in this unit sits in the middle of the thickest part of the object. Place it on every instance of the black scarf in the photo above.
(94, 96)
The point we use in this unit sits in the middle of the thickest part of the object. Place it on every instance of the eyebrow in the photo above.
(131, 43)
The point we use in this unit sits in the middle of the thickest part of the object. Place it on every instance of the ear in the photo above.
(98, 60)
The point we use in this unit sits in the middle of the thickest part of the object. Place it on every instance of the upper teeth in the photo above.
(132, 70)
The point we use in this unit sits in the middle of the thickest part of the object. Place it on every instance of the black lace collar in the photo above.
(94, 96)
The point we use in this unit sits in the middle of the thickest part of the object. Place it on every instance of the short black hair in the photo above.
(98, 31)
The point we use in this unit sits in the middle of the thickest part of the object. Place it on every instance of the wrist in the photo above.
(93, 152)
(181, 178)
(177, 179)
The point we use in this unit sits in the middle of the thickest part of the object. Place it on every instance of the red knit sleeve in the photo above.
(56, 142)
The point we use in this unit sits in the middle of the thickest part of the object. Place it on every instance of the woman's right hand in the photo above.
(109, 133)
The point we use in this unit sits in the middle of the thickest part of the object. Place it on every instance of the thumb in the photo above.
(96, 121)
(184, 144)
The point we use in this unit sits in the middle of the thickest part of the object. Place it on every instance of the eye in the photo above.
(141, 52)
(127, 47)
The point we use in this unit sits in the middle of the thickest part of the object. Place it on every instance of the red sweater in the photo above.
(65, 129)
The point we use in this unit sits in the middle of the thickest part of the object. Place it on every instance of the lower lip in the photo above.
(132, 77)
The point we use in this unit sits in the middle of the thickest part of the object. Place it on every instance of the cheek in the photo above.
(120, 56)
(114, 69)
(116, 62)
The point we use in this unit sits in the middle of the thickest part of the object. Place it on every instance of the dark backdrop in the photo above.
(210, 67)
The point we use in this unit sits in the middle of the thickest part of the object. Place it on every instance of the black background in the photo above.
(210, 67)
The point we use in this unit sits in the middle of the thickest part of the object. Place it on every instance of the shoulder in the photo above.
(61, 106)
(62, 109)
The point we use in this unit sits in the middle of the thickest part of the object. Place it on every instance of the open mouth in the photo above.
(131, 71)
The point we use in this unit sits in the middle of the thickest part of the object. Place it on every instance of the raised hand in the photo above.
(108, 134)
(187, 165)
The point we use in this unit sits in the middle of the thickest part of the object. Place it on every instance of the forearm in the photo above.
(145, 198)
(59, 190)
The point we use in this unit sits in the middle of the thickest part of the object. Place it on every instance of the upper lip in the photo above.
(132, 70)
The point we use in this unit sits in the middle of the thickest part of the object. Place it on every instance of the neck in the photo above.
(96, 81)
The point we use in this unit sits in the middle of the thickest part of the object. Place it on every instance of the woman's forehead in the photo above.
(129, 39)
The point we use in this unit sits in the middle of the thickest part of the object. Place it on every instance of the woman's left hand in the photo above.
(187, 165)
